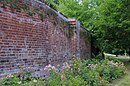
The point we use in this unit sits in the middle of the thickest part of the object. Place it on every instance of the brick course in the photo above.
(29, 42)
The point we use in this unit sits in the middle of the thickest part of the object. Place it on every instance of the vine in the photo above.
(68, 31)
(18, 6)
(87, 36)
(42, 16)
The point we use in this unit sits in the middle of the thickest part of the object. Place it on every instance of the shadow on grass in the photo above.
(124, 81)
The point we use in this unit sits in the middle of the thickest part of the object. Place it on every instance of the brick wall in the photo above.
(29, 42)
(85, 46)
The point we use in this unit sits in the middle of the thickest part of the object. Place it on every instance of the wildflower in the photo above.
(9, 76)
(62, 76)
(92, 66)
(111, 63)
(116, 63)
(45, 68)
(89, 64)
(66, 66)
(34, 80)
(53, 67)
(19, 82)
(50, 67)
(58, 65)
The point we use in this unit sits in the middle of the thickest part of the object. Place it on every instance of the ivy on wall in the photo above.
(19, 6)
(86, 35)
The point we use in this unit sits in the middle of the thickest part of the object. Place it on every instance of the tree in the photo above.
(108, 20)
(82, 10)
(112, 25)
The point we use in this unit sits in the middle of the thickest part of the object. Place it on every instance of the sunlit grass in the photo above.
(124, 81)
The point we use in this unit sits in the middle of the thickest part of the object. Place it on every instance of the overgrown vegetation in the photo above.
(19, 6)
(125, 80)
(107, 20)
(75, 73)
(86, 35)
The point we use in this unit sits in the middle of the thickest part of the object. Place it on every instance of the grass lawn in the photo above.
(124, 81)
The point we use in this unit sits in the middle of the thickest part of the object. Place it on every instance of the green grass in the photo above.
(39, 83)
(124, 81)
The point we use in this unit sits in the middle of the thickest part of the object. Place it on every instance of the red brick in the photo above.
(24, 40)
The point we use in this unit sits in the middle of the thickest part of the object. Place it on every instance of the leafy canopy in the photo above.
(108, 20)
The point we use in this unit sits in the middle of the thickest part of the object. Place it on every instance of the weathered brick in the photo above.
(29, 42)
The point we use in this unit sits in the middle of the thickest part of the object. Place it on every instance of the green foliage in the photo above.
(102, 72)
(42, 15)
(86, 36)
(91, 72)
(108, 20)
(11, 81)
(54, 79)
(66, 78)
(30, 13)
(53, 3)
(24, 79)
(18, 6)
(112, 25)
(70, 32)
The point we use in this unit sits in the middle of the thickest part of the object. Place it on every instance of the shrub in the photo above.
(100, 72)
(77, 72)
(65, 78)
(24, 79)
(11, 80)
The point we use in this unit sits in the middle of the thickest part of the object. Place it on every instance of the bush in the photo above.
(77, 72)
(101, 72)
(24, 79)
(10, 81)
(90, 72)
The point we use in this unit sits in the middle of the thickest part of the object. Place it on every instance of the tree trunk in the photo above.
(129, 52)
(103, 56)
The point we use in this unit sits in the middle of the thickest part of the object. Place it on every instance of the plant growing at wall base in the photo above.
(42, 16)
(12, 80)
(77, 72)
